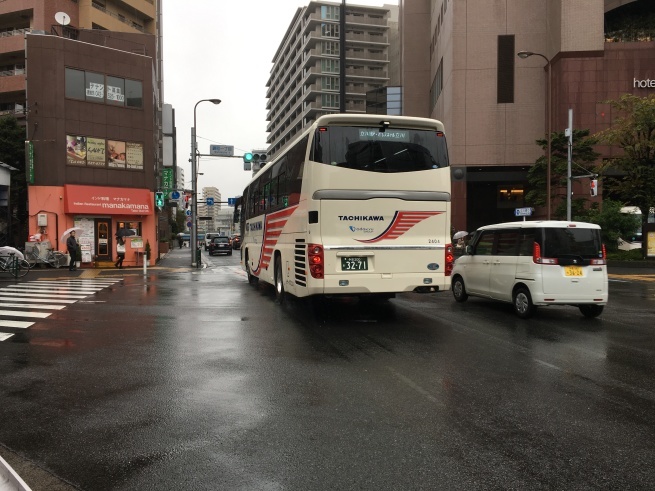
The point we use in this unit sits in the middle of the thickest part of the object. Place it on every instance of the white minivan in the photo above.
(535, 263)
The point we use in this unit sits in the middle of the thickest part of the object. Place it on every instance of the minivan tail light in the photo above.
(450, 259)
(316, 260)
(600, 262)
(536, 256)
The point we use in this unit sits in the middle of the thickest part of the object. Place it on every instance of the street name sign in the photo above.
(221, 150)
(523, 212)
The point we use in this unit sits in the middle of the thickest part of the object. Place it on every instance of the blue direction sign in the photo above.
(188, 213)
(175, 195)
(210, 201)
(231, 201)
(523, 212)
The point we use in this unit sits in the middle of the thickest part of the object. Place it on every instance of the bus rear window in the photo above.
(372, 150)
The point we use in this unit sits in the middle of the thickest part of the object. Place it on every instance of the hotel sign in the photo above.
(644, 84)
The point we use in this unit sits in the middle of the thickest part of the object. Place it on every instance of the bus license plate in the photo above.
(572, 271)
(354, 264)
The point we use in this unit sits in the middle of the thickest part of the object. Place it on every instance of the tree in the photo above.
(613, 223)
(634, 132)
(583, 158)
(12, 152)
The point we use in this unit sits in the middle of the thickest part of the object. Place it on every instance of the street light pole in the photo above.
(194, 186)
(527, 54)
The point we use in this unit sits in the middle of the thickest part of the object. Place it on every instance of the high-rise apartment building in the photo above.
(305, 78)
(460, 65)
(212, 211)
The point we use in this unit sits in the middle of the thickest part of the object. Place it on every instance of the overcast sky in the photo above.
(223, 49)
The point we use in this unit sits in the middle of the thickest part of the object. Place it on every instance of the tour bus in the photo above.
(357, 205)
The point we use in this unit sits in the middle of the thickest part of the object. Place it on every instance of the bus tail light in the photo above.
(602, 261)
(536, 256)
(450, 259)
(316, 260)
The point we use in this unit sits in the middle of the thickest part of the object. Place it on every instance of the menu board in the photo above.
(86, 238)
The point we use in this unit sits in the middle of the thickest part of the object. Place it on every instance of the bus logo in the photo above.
(402, 222)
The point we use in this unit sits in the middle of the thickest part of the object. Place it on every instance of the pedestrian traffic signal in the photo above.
(159, 199)
(593, 187)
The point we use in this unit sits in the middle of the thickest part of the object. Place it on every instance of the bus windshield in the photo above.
(380, 150)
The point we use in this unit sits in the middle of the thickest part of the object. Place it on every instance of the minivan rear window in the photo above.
(563, 242)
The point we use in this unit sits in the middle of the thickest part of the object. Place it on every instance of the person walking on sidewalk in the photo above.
(71, 245)
(120, 252)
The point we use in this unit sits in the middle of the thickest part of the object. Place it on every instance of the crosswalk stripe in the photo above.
(35, 300)
(14, 313)
(40, 295)
(38, 288)
(4, 336)
(46, 285)
(17, 324)
(34, 306)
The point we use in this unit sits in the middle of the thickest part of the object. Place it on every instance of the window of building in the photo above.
(437, 85)
(330, 12)
(133, 93)
(510, 196)
(331, 83)
(506, 55)
(75, 84)
(330, 30)
(331, 48)
(329, 66)
(133, 227)
(115, 91)
(94, 87)
(330, 100)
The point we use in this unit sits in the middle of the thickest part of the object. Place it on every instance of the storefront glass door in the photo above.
(103, 239)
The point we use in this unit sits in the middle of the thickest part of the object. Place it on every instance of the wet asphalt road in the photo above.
(199, 381)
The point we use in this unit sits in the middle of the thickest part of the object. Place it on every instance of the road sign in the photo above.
(523, 212)
(210, 201)
(167, 178)
(188, 224)
(188, 213)
(231, 201)
(175, 195)
(221, 150)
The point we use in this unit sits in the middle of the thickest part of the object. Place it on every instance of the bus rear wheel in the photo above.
(280, 294)
(252, 279)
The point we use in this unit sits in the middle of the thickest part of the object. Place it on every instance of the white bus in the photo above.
(357, 205)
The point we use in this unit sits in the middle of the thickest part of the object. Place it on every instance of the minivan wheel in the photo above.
(279, 282)
(591, 311)
(523, 305)
(459, 292)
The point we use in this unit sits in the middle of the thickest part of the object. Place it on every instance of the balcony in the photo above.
(12, 81)
(13, 41)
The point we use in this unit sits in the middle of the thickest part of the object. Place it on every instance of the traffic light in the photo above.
(247, 161)
(259, 159)
(593, 187)
(159, 199)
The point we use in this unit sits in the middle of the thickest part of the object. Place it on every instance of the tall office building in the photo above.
(460, 65)
(305, 78)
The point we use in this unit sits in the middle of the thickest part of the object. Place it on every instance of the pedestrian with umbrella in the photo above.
(72, 245)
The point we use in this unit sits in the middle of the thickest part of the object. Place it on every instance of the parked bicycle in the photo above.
(52, 258)
(14, 265)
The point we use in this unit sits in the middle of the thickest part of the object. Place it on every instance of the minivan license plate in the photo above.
(572, 270)
(354, 264)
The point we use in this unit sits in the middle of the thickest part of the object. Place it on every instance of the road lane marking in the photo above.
(34, 306)
(12, 313)
(16, 324)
